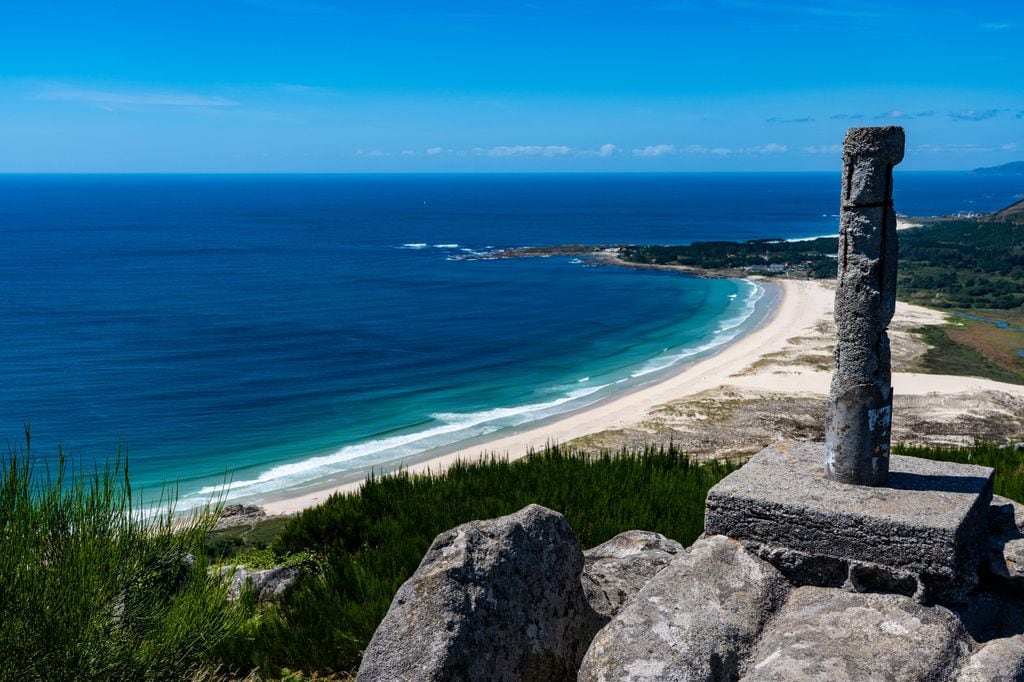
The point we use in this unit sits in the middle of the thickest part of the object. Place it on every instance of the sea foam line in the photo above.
(284, 475)
(719, 337)
(465, 424)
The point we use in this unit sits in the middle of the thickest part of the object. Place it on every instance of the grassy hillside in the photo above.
(90, 594)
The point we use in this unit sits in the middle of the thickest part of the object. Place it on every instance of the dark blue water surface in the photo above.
(287, 327)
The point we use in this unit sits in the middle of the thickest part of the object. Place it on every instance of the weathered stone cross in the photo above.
(857, 426)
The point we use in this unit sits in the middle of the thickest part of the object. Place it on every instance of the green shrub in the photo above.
(95, 588)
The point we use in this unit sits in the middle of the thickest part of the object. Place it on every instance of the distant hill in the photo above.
(1010, 214)
(1012, 168)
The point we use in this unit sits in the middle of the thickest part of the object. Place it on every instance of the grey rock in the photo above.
(920, 535)
(993, 613)
(695, 620)
(631, 543)
(1006, 541)
(839, 636)
(268, 584)
(859, 417)
(1001, 660)
(239, 515)
(616, 570)
(492, 600)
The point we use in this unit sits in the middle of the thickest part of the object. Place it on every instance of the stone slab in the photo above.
(838, 636)
(918, 535)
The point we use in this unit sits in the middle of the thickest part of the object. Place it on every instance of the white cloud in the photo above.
(995, 26)
(607, 150)
(824, 149)
(655, 150)
(771, 148)
(964, 148)
(108, 99)
(434, 151)
(408, 152)
(550, 150)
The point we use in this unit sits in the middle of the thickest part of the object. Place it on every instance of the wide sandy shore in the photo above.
(775, 377)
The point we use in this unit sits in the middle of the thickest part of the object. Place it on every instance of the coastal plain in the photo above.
(768, 385)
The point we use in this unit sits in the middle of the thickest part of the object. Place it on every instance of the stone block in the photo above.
(921, 534)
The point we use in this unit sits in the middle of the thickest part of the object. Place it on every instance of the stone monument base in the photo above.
(919, 535)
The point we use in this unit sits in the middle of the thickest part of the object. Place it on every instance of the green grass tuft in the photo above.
(92, 588)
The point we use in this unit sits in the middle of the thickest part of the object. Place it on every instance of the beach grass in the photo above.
(92, 588)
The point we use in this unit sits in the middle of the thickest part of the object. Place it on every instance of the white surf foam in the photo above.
(465, 424)
(727, 331)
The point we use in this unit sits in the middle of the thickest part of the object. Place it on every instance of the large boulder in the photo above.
(839, 636)
(615, 571)
(239, 515)
(1001, 660)
(492, 600)
(267, 584)
(695, 620)
(1006, 541)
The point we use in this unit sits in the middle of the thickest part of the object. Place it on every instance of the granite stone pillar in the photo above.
(857, 426)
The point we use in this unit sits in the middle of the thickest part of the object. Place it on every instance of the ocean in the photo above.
(277, 331)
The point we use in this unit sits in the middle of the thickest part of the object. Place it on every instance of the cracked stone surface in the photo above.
(1001, 660)
(1006, 541)
(696, 620)
(858, 423)
(615, 571)
(492, 600)
(920, 535)
(838, 636)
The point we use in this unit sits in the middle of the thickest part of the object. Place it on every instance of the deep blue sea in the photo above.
(282, 329)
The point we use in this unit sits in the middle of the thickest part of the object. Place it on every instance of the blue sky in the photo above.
(545, 85)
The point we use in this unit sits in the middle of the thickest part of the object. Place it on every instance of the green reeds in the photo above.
(93, 587)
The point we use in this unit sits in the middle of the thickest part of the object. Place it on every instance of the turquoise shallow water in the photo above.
(284, 329)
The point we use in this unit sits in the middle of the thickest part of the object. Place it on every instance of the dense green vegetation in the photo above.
(946, 356)
(945, 264)
(93, 590)
(963, 264)
(814, 258)
(372, 542)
